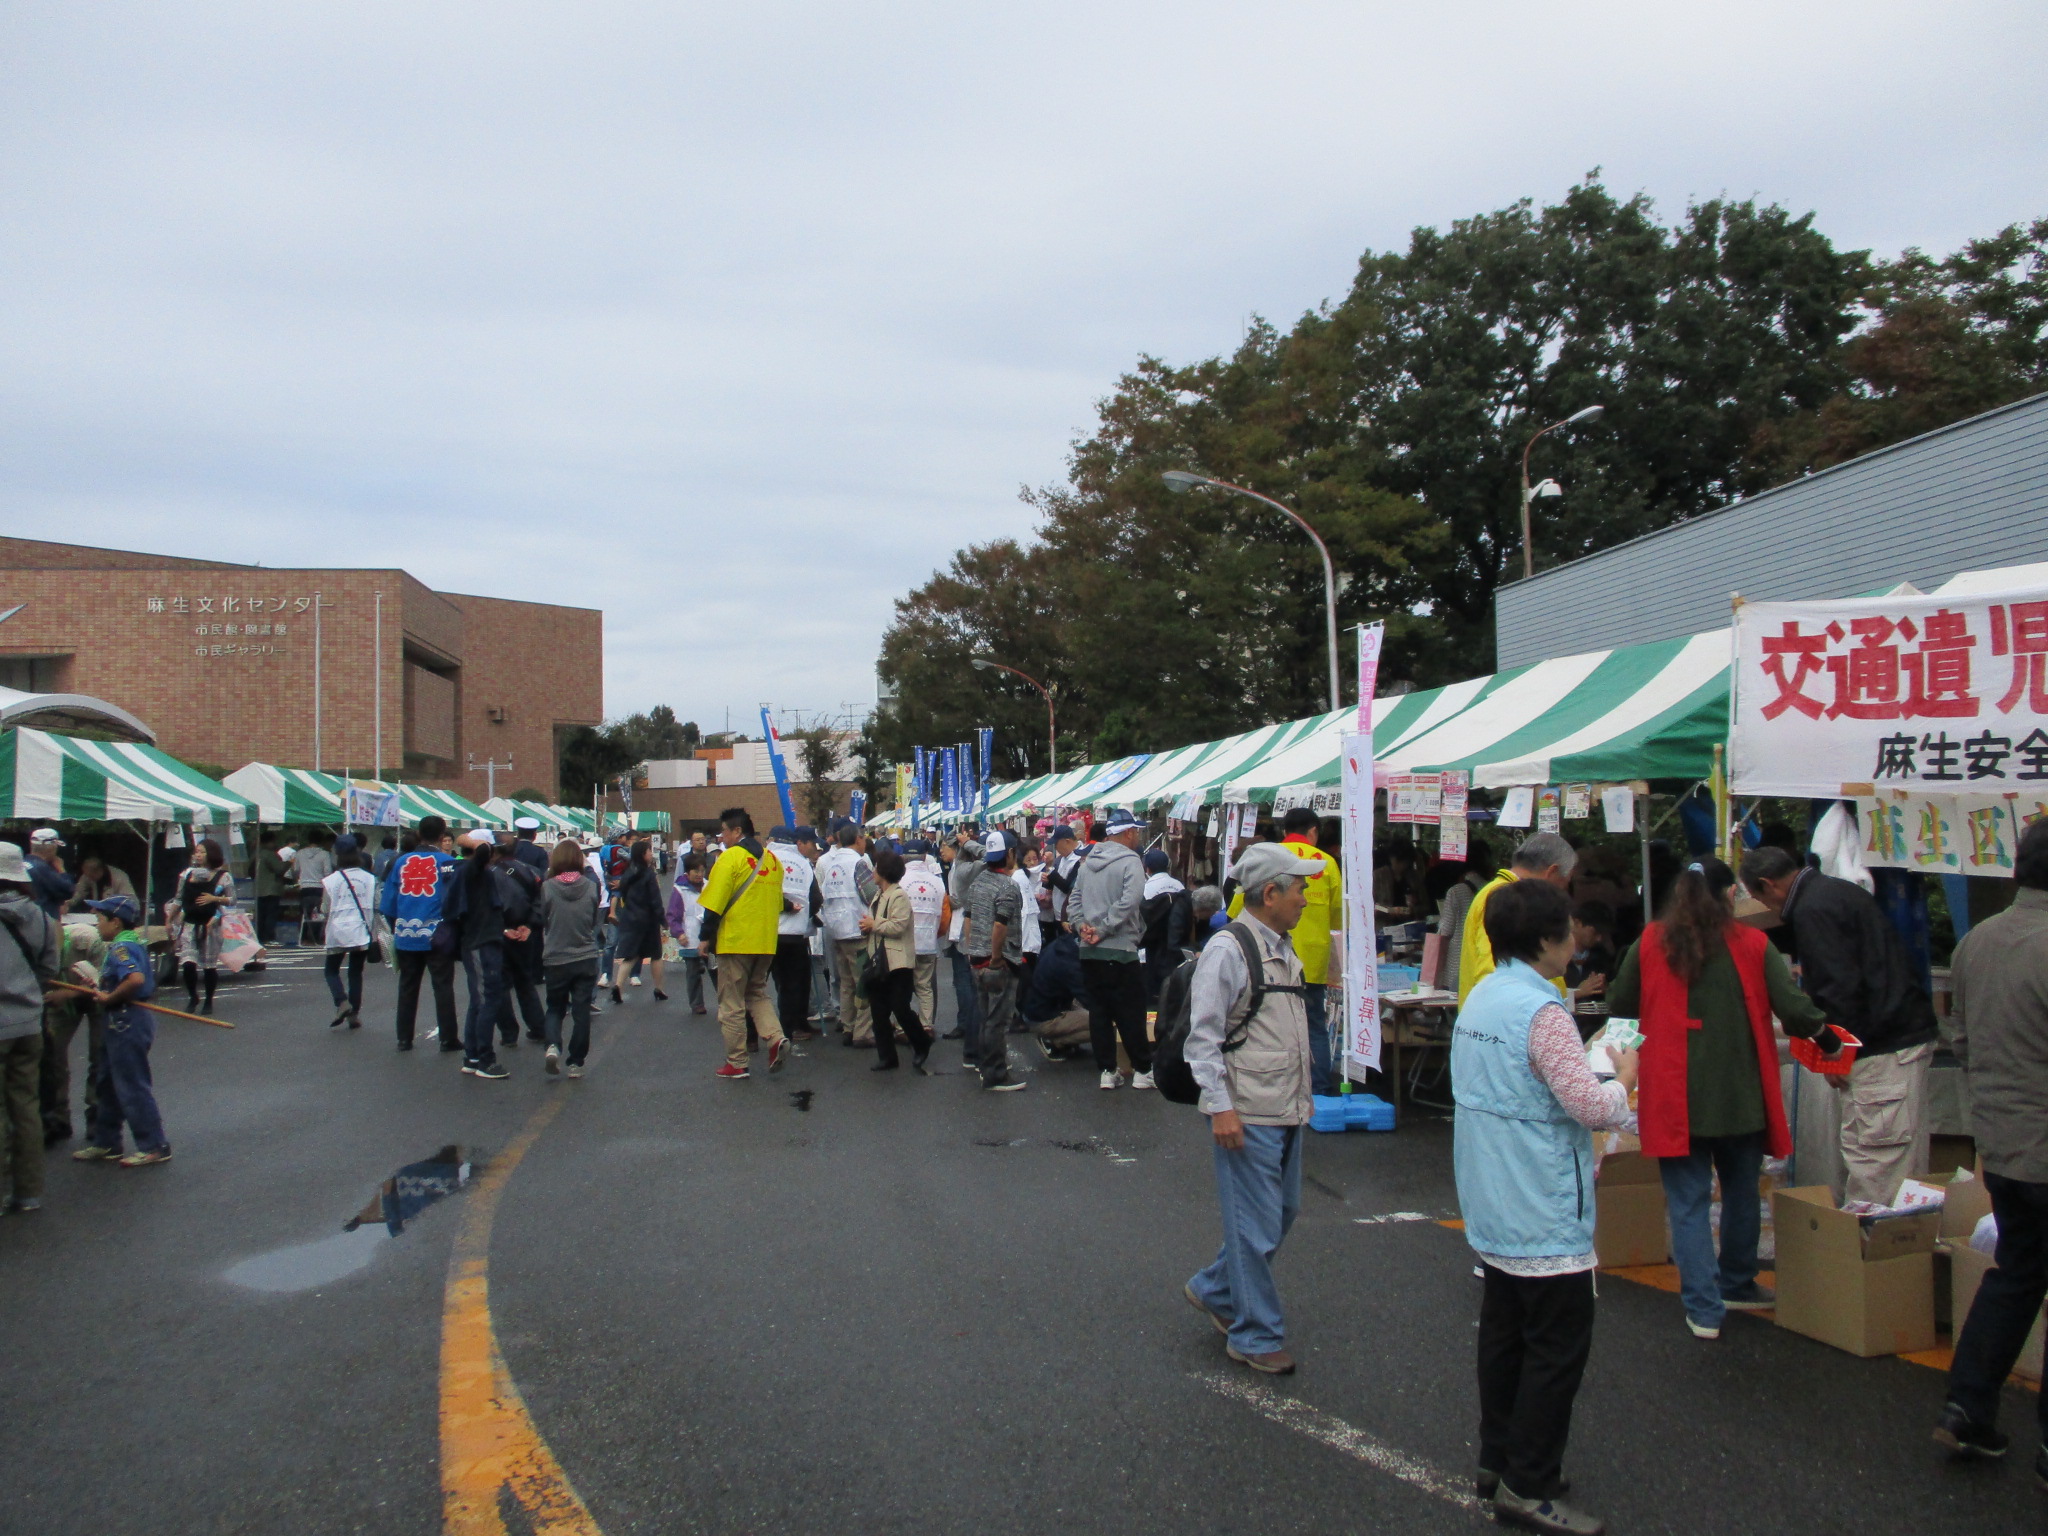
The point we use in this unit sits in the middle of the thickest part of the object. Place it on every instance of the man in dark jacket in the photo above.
(1853, 963)
(477, 907)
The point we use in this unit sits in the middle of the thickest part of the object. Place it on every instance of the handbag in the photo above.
(374, 950)
(874, 970)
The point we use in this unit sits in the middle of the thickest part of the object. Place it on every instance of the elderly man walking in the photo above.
(1109, 903)
(1248, 1049)
(1853, 963)
(1999, 1031)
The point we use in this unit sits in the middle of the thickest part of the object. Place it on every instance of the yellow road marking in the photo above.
(490, 1446)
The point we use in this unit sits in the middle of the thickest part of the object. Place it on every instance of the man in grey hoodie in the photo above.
(1109, 895)
(28, 959)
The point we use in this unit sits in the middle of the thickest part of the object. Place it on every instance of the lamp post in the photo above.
(1529, 494)
(1052, 749)
(1183, 480)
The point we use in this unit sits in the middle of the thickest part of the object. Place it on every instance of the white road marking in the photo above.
(1328, 1429)
(1375, 1221)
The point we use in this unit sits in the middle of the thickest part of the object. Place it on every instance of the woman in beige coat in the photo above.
(887, 923)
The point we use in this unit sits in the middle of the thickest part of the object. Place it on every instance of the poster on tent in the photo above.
(371, 805)
(1454, 801)
(1415, 799)
(1939, 695)
(1946, 834)
(1361, 1043)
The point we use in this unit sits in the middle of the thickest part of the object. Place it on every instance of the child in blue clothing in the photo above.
(122, 1093)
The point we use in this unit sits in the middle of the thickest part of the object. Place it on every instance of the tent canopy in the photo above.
(415, 802)
(1653, 711)
(48, 777)
(298, 795)
(70, 712)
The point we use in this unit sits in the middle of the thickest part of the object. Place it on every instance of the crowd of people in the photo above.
(1080, 940)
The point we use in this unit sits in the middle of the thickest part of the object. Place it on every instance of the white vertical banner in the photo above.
(1361, 1043)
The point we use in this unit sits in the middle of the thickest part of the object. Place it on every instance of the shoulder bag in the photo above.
(374, 948)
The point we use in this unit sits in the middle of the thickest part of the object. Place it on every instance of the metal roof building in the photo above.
(1970, 495)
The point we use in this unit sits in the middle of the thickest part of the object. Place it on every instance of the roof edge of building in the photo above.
(1859, 461)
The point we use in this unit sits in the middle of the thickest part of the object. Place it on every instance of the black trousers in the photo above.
(1534, 1336)
(792, 972)
(412, 965)
(569, 989)
(1116, 1007)
(523, 973)
(896, 1002)
(2008, 1300)
(266, 919)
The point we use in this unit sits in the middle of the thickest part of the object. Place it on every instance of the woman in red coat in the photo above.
(1705, 987)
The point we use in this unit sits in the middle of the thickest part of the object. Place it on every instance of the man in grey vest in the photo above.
(1254, 1073)
(28, 960)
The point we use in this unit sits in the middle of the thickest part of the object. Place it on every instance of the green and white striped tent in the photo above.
(296, 795)
(639, 821)
(47, 777)
(1653, 711)
(416, 801)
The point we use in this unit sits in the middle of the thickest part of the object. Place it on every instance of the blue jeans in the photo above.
(124, 1091)
(1706, 1282)
(1321, 1078)
(485, 967)
(966, 999)
(1260, 1191)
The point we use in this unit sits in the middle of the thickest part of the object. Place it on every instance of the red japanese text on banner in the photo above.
(1940, 694)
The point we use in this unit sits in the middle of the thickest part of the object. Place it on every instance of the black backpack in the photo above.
(1171, 1074)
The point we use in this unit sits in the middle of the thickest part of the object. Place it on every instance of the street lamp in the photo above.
(1548, 488)
(1182, 480)
(1052, 749)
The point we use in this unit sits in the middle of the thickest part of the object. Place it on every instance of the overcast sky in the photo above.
(735, 321)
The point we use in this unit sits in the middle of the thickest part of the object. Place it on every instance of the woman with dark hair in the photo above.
(1527, 1104)
(205, 890)
(637, 914)
(569, 950)
(1705, 987)
(888, 925)
(349, 895)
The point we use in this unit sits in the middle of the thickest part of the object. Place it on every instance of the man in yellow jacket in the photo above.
(1546, 856)
(1320, 920)
(742, 912)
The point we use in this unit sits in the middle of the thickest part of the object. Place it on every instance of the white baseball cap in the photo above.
(44, 835)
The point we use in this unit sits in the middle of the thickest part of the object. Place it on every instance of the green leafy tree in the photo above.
(1945, 340)
(591, 757)
(817, 761)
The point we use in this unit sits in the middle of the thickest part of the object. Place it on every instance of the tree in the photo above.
(1944, 340)
(817, 761)
(591, 757)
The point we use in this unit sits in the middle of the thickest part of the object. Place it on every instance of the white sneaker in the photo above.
(634, 981)
(1141, 1079)
(554, 1060)
(1112, 1080)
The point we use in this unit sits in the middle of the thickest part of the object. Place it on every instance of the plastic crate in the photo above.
(1351, 1112)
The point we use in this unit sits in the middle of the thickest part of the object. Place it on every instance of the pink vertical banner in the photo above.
(1361, 1015)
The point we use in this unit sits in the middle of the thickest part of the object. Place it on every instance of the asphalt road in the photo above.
(907, 1307)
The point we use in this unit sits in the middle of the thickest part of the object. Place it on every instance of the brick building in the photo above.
(220, 660)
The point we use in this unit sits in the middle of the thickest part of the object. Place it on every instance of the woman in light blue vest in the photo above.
(1527, 1105)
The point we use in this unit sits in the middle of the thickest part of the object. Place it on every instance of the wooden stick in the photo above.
(196, 1018)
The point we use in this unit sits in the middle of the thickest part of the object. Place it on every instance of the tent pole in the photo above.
(1643, 829)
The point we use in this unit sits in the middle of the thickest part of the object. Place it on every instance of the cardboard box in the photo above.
(1969, 1203)
(1867, 1290)
(1629, 1225)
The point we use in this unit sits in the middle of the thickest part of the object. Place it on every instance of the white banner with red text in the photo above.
(1941, 695)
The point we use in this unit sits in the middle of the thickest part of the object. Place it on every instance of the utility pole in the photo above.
(378, 652)
(490, 771)
(317, 606)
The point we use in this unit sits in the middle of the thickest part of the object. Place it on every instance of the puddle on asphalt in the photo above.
(398, 1201)
(802, 1097)
(1095, 1146)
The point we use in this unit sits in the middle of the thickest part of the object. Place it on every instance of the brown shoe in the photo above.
(1222, 1323)
(1275, 1362)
